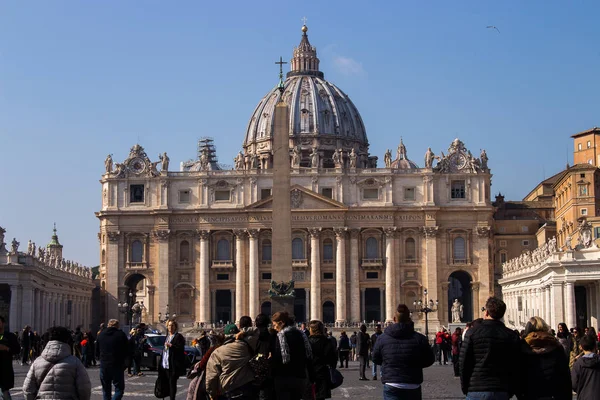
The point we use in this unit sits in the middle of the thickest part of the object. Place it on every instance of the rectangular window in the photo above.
(597, 232)
(409, 193)
(524, 228)
(579, 146)
(327, 192)
(264, 193)
(328, 275)
(584, 211)
(503, 243)
(457, 190)
(222, 277)
(370, 194)
(589, 144)
(136, 193)
(582, 175)
(266, 276)
(502, 258)
(222, 195)
(184, 196)
(372, 275)
(525, 242)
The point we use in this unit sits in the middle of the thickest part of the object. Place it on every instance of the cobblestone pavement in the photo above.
(439, 384)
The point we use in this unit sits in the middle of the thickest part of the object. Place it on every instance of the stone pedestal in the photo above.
(283, 303)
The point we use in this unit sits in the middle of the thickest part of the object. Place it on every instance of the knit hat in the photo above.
(231, 329)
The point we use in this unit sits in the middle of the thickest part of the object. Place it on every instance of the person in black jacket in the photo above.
(323, 359)
(344, 349)
(113, 348)
(9, 347)
(403, 353)
(585, 375)
(374, 337)
(490, 357)
(290, 358)
(173, 358)
(545, 370)
(363, 342)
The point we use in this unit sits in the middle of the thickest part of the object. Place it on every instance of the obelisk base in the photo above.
(283, 303)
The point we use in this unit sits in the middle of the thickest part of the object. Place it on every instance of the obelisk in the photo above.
(281, 264)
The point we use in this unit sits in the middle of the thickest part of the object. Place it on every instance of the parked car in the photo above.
(153, 349)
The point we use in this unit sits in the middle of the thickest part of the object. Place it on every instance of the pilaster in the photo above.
(164, 284)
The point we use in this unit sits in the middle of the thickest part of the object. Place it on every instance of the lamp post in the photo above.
(426, 306)
(166, 315)
(124, 308)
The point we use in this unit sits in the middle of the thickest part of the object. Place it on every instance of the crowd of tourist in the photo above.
(271, 358)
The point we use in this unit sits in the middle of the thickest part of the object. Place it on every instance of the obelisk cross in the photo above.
(280, 62)
(304, 20)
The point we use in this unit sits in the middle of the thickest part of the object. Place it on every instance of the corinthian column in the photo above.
(254, 291)
(340, 275)
(164, 284)
(354, 277)
(240, 276)
(315, 274)
(390, 273)
(204, 280)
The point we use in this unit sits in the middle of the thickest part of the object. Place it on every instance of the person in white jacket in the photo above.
(57, 374)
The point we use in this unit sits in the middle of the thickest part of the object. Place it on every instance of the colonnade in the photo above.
(42, 309)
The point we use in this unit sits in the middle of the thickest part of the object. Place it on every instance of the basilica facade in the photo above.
(197, 242)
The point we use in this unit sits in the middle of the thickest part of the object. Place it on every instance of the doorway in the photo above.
(223, 306)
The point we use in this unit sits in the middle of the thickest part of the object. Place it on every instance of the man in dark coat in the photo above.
(374, 337)
(113, 346)
(585, 375)
(26, 343)
(9, 347)
(490, 355)
(402, 353)
(363, 342)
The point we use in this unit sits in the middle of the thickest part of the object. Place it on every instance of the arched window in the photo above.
(103, 257)
(297, 249)
(328, 249)
(137, 251)
(223, 250)
(184, 251)
(459, 250)
(266, 250)
(410, 250)
(372, 250)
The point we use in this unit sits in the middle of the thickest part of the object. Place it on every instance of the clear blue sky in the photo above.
(82, 79)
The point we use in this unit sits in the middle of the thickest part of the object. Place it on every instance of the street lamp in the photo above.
(426, 306)
(167, 315)
(124, 308)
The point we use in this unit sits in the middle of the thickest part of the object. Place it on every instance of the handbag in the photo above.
(161, 386)
(335, 378)
(260, 365)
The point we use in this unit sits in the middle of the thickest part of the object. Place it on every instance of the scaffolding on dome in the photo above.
(206, 146)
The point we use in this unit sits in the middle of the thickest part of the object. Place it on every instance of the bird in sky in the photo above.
(493, 27)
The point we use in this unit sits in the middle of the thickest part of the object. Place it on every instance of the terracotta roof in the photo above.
(587, 132)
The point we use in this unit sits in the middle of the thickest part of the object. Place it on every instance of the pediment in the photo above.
(303, 199)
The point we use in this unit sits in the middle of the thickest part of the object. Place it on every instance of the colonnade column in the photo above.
(253, 288)
(570, 304)
(340, 275)
(204, 309)
(355, 311)
(557, 303)
(315, 274)
(549, 311)
(240, 276)
(596, 288)
(13, 320)
(390, 273)
(164, 280)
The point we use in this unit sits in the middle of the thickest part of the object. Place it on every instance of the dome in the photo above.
(402, 161)
(322, 116)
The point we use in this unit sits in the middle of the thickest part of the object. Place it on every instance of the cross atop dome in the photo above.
(305, 61)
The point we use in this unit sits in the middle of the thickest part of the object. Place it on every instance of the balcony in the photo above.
(222, 265)
(461, 261)
(372, 263)
(265, 262)
(328, 262)
(299, 264)
(410, 260)
(136, 265)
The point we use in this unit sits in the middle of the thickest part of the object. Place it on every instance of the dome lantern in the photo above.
(304, 60)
